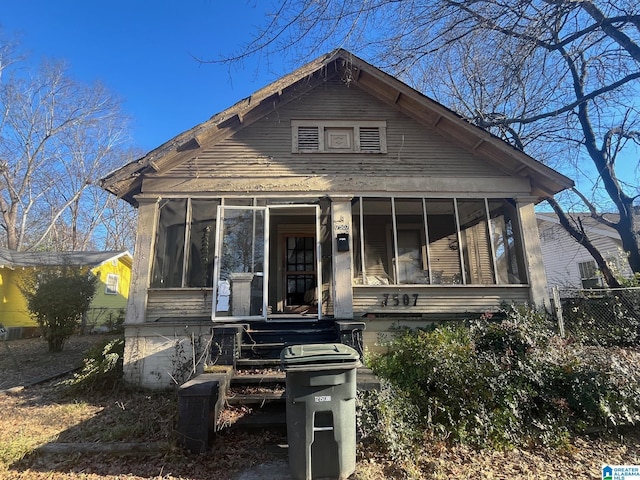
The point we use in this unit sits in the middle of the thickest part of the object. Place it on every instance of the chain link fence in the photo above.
(102, 319)
(604, 317)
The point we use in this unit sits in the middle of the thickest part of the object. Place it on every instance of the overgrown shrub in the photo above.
(506, 383)
(101, 370)
(388, 420)
(57, 298)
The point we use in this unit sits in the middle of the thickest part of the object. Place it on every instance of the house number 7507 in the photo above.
(395, 299)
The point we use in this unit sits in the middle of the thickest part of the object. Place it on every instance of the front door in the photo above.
(296, 266)
(241, 263)
(244, 287)
(300, 273)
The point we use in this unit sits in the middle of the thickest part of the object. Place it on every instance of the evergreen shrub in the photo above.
(506, 383)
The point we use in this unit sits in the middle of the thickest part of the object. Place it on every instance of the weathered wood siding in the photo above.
(263, 151)
(176, 303)
(435, 299)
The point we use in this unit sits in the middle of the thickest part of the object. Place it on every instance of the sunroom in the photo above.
(265, 257)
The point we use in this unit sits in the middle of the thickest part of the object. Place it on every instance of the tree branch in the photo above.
(613, 32)
(581, 237)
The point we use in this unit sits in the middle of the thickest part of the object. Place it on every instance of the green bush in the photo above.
(510, 382)
(389, 420)
(101, 370)
(57, 298)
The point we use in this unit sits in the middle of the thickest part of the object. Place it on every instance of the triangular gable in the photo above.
(591, 225)
(126, 181)
(266, 151)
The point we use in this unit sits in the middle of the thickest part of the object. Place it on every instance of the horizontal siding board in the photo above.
(437, 300)
(562, 254)
(172, 303)
(349, 184)
(264, 148)
(178, 303)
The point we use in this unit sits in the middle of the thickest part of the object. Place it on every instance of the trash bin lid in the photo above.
(315, 355)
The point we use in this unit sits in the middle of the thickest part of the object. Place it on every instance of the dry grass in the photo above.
(43, 414)
(36, 417)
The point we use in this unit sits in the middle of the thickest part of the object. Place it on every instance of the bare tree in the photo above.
(556, 78)
(117, 229)
(56, 138)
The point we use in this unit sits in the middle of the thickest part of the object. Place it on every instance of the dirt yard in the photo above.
(125, 435)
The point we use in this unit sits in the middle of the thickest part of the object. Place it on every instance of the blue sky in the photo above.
(144, 52)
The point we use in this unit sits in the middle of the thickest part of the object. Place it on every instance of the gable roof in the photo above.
(591, 225)
(126, 181)
(12, 259)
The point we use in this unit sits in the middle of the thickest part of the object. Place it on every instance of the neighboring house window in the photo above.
(112, 284)
(437, 241)
(327, 136)
(589, 274)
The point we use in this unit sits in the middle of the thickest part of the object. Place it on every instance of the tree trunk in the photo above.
(626, 228)
(581, 237)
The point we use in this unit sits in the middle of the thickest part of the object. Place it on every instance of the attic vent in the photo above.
(338, 136)
(370, 139)
(308, 139)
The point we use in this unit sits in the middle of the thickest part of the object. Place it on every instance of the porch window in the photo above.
(185, 237)
(475, 242)
(409, 255)
(507, 242)
(444, 242)
(419, 241)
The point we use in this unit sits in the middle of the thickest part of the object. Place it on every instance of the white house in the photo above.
(335, 194)
(568, 264)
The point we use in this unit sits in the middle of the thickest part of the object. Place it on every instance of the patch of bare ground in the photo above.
(130, 435)
(27, 361)
(583, 459)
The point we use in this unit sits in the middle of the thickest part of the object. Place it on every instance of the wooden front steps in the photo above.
(260, 398)
(257, 387)
(246, 387)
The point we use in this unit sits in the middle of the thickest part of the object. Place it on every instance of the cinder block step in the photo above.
(261, 350)
(271, 417)
(252, 346)
(366, 380)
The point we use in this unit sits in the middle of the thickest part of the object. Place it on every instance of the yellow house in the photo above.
(113, 270)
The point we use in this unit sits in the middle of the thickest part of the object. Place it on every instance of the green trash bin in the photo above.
(321, 409)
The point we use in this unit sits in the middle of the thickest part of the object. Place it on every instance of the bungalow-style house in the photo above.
(337, 193)
(568, 265)
(112, 268)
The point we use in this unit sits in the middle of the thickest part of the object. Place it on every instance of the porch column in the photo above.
(142, 261)
(533, 253)
(341, 259)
